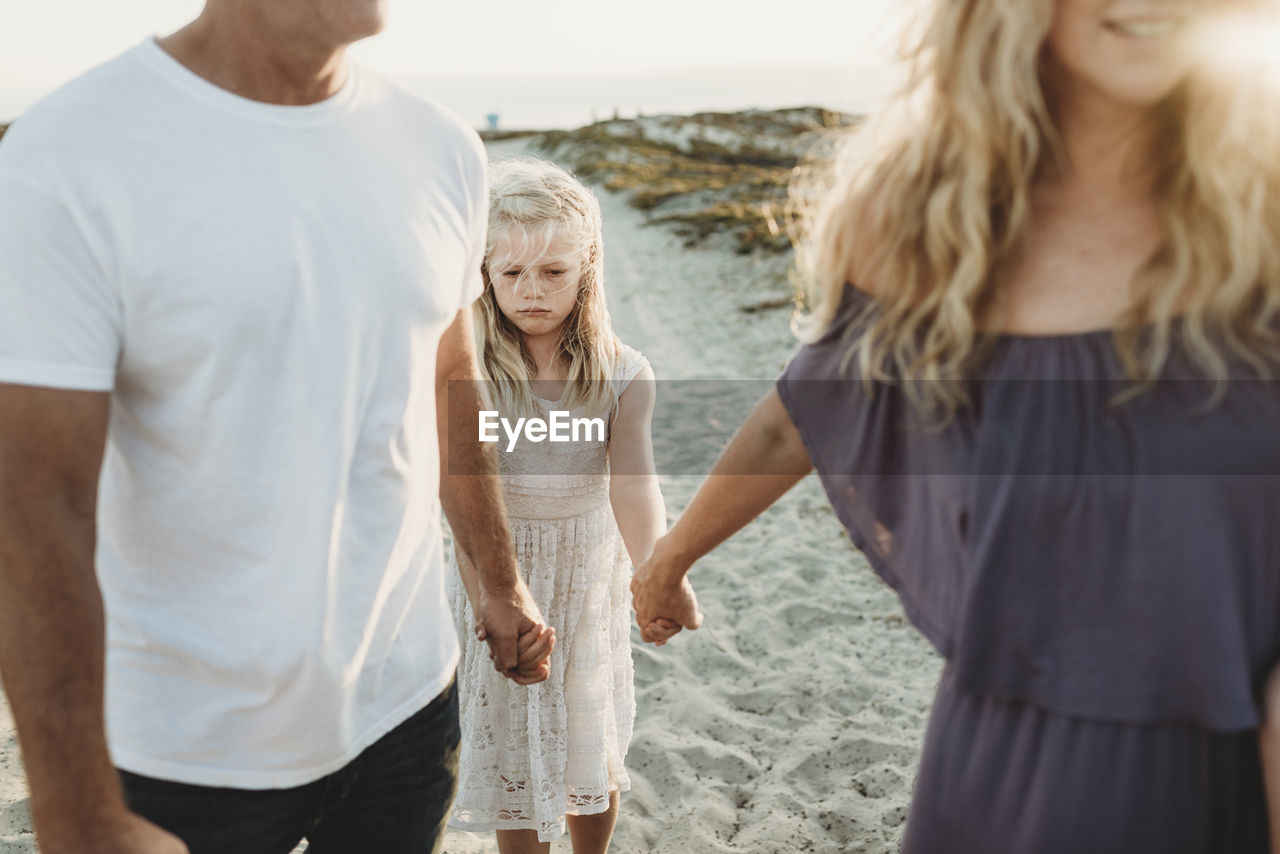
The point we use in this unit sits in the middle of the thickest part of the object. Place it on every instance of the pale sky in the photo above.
(44, 43)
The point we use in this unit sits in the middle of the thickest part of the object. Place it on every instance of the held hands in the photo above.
(533, 651)
(520, 644)
(664, 602)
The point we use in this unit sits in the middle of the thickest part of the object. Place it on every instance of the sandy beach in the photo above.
(792, 721)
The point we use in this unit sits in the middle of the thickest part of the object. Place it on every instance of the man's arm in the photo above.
(508, 618)
(51, 621)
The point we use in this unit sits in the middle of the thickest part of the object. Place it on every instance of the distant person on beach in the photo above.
(1047, 296)
(235, 274)
(539, 760)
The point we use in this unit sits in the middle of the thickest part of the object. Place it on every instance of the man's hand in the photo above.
(520, 643)
(664, 602)
(124, 833)
(532, 655)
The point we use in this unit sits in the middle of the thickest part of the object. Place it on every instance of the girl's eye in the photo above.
(511, 274)
(556, 272)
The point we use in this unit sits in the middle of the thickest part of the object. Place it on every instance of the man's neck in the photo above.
(256, 60)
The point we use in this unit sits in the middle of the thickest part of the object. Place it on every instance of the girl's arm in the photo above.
(1269, 745)
(633, 481)
(765, 459)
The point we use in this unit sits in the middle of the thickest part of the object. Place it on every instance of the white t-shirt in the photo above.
(262, 290)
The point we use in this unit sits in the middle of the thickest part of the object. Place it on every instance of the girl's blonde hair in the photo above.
(928, 200)
(544, 201)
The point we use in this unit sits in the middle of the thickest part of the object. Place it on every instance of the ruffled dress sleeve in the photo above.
(897, 494)
(1096, 559)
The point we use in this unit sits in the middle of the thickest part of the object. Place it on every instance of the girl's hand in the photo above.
(664, 601)
(662, 630)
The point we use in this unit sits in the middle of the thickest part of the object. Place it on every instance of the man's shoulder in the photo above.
(427, 114)
(81, 116)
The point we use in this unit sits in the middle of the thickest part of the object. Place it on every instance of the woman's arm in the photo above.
(1269, 747)
(765, 459)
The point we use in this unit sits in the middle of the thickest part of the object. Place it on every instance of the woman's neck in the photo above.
(1107, 146)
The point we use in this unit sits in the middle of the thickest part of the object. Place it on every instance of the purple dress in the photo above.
(1102, 578)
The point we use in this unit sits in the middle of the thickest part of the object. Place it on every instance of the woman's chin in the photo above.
(1144, 90)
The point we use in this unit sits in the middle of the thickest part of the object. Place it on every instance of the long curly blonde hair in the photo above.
(927, 200)
(542, 199)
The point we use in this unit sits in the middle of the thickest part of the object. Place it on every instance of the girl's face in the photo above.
(536, 283)
(1132, 52)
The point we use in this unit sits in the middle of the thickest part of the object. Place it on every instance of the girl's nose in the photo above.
(531, 283)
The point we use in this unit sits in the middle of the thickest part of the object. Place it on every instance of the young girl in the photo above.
(537, 759)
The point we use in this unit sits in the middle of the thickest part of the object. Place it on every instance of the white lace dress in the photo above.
(531, 755)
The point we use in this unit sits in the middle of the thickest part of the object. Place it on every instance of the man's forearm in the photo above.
(471, 492)
(471, 495)
(51, 661)
(478, 518)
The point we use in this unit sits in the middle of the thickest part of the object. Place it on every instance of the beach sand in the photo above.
(792, 721)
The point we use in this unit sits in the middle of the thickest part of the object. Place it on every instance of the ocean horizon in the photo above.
(564, 102)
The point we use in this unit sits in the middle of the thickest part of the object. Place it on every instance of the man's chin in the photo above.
(373, 29)
(369, 19)
(361, 20)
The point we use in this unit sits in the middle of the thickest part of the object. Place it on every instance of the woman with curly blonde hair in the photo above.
(1036, 388)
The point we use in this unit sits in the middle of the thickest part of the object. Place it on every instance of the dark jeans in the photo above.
(394, 798)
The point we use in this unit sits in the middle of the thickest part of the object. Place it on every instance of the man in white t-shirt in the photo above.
(235, 278)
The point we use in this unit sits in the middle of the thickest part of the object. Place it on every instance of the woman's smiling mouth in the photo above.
(1146, 28)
